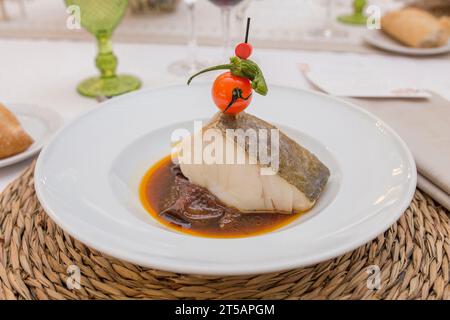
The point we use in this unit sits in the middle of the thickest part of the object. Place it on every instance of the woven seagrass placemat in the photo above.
(412, 257)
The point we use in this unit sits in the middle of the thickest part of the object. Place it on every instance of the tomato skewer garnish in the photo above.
(231, 94)
(244, 49)
(241, 68)
(232, 90)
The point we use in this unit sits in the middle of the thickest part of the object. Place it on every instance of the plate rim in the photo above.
(198, 269)
(56, 122)
(368, 37)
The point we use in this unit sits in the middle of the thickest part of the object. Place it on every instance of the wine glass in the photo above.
(241, 12)
(225, 7)
(329, 30)
(100, 18)
(190, 65)
(357, 17)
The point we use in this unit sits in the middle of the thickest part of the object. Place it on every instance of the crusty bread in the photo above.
(437, 7)
(415, 28)
(13, 139)
(445, 23)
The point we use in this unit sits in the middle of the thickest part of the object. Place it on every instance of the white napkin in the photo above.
(420, 117)
(360, 80)
(424, 124)
(437, 194)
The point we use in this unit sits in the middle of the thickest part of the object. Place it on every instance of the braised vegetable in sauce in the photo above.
(175, 202)
(228, 201)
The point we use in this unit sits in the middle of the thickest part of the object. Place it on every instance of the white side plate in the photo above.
(87, 180)
(39, 123)
(380, 40)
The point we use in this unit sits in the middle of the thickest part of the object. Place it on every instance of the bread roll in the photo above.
(445, 23)
(13, 139)
(415, 28)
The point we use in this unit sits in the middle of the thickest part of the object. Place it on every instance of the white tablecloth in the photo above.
(275, 24)
(46, 73)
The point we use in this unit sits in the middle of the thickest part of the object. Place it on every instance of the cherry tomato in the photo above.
(231, 94)
(243, 50)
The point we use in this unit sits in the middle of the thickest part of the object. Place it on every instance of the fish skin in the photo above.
(297, 165)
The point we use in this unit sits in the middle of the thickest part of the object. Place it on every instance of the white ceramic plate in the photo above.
(87, 179)
(39, 123)
(380, 40)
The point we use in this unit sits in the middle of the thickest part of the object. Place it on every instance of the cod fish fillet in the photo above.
(294, 186)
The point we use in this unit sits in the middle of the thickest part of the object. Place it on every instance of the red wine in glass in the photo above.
(222, 3)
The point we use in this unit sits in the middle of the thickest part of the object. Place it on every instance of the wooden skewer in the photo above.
(247, 31)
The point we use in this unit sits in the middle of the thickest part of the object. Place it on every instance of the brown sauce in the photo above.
(178, 204)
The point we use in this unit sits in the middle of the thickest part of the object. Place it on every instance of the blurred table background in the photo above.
(42, 61)
(275, 24)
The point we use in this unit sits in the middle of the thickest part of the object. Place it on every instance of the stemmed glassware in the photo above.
(189, 65)
(225, 7)
(100, 18)
(329, 30)
(357, 17)
(241, 12)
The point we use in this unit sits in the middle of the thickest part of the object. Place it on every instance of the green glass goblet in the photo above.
(357, 17)
(100, 18)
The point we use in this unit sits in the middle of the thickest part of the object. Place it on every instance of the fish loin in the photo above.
(295, 186)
